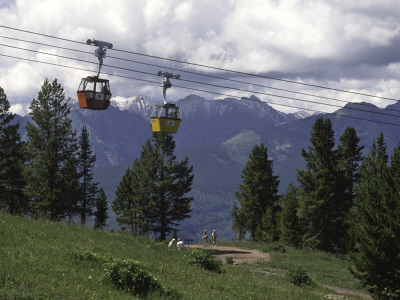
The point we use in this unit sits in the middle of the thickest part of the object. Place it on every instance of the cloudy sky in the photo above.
(334, 44)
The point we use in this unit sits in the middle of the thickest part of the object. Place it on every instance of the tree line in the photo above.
(50, 175)
(344, 203)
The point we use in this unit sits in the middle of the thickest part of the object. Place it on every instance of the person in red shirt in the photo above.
(214, 238)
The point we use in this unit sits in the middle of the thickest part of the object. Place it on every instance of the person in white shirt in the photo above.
(171, 243)
(180, 245)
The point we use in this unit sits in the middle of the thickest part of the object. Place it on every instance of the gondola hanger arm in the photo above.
(100, 51)
(166, 83)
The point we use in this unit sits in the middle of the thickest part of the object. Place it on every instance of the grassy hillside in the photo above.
(40, 260)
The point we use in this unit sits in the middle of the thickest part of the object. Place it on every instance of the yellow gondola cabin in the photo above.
(165, 118)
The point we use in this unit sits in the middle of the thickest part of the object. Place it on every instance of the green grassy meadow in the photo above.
(324, 268)
(38, 260)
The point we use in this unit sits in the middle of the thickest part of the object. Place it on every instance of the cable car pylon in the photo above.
(166, 118)
(93, 92)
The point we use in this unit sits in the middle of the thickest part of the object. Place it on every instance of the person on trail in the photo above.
(205, 238)
(214, 238)
(171, 243)
(180, 245)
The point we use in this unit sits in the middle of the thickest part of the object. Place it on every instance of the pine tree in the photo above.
(101, 214)
(371, 170)
(321, 193)
(89, 189)
(239, 221)
(131, 201)
(350, 155)
(123, 202)
(12, 197)
(381, 155)
(259, 189)
(376, 223)
(167, 181)
(289, 220)
(51, 170)
(267, 231)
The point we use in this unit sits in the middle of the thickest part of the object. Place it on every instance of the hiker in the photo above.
(180, 245)
(171, 243)
(205, 238)
(214, 238)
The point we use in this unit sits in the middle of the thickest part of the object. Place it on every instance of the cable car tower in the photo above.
(166, 118)
(93, 92)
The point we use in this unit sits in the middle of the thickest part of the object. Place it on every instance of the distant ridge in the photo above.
(217, 137)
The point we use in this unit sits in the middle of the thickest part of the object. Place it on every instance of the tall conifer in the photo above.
(258, 192)
(290, 232)
(376, 223)
(101, 214)
(12, 197)
(131, 201)
(321, 193)
(88, 188)
(51, 170)
(239, 221)
(350, 156)
(168, 181)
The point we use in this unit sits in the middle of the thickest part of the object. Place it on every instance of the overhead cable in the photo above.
(206, 91)
(207, 84)
(192, 72)
(214, 68)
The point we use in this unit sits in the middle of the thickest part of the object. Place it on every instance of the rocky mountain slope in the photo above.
(217, 136)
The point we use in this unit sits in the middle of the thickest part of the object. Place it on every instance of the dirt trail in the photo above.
(337, 289)
(240, 256)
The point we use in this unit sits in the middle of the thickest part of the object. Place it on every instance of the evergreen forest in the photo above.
(342, 203)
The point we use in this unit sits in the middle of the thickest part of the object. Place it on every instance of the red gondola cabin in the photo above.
(94, 93)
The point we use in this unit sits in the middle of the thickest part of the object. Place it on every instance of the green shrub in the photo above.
(86, 255)
(204, 259)
(298, 276)
(229, 260)
(311, 243)
(276, 247)
(129, 275)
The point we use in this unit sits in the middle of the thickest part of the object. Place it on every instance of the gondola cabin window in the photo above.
(169, 111)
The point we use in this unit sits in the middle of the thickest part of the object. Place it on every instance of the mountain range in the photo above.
(218, 136)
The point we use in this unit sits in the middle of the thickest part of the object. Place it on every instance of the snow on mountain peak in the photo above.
(301, 114)
(127, 103)
(138, 104)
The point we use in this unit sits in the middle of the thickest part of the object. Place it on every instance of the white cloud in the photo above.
(183, 12)
(22, 79)
(18, 109)
(327, 43)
